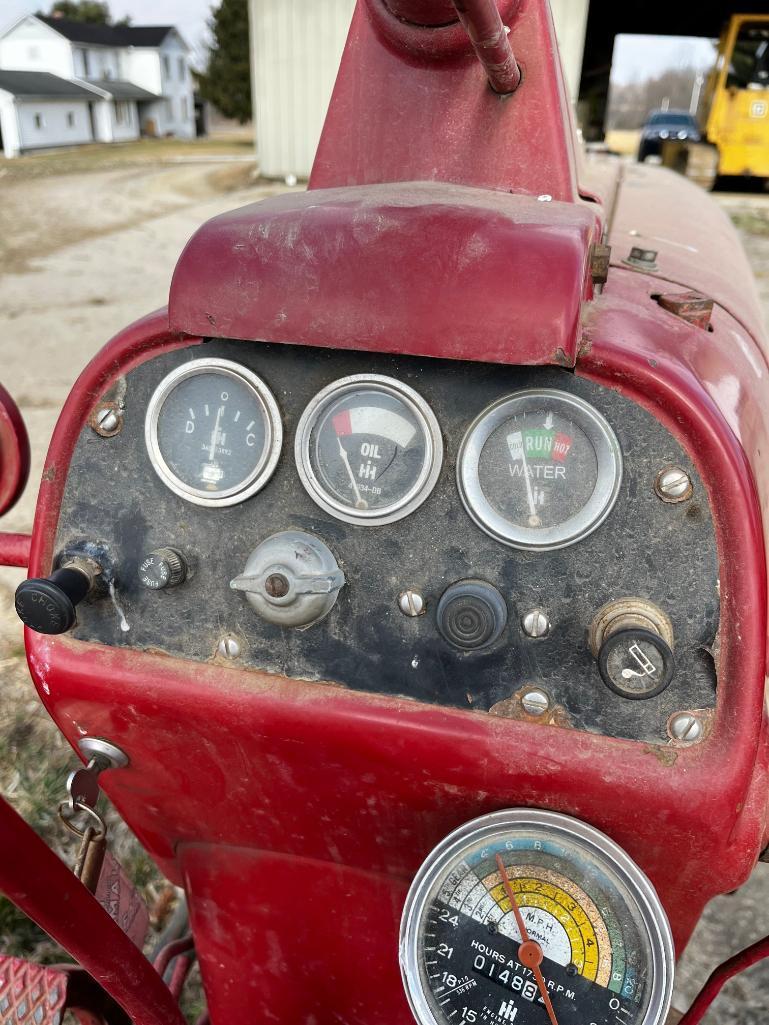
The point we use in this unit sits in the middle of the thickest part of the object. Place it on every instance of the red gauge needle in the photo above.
(529, 953)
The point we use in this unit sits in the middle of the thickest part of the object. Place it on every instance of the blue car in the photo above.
(666, 124)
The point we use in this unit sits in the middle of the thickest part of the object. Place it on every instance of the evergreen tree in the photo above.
(226, 82)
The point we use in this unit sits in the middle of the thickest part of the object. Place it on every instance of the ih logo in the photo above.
(507, 1012)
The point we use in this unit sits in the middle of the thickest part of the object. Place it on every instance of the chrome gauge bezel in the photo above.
(431, 468)
(273, 432)
(576, 527)
(562, 827)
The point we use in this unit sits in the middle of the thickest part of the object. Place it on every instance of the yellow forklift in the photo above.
(738, 97)
(736, 105)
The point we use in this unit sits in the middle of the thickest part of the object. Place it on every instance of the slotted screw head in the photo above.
(673, 484)
(107, 419)
(411, 603)
(536, 623)
(686, 726)
(228, 647)
(535, 702)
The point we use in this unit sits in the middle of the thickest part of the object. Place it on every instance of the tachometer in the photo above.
(213, 432)
(368, 449)
(539, 469)
(531, 917)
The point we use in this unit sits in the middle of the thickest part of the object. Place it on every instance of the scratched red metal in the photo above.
(14, 452)
(489, 276)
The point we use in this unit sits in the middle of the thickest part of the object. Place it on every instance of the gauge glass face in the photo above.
(369, 449)
(602, 935)
(213, 432)
(540, 469)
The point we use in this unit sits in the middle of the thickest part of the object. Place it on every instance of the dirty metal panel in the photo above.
(663, 552)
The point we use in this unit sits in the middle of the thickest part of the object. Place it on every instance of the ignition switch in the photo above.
(291, 579)
(632, 641)
(47, 604)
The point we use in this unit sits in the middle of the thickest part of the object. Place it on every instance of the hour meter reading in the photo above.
(529, 917)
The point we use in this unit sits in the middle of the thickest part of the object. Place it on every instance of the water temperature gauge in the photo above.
(368, 449)
(213, 432)
(539, 469)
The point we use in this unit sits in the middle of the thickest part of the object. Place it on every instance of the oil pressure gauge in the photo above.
(368, 449)
(539, 469)
(528, 917)
(213, 432)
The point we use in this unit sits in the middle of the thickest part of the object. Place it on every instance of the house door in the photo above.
(92, 122)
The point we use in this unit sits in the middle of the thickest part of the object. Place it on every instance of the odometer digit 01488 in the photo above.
(528, 917)
(539, 469)
(213, 432)
(368, 449)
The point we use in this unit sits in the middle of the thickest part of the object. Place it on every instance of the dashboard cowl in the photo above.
(486, 275)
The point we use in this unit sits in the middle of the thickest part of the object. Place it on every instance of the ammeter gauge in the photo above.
(528, 917)
(213, 432)
(539, 469)
(368, 449)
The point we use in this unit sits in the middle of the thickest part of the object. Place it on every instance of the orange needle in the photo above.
(529, 953)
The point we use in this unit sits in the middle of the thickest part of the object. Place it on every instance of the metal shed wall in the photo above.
(296, 47)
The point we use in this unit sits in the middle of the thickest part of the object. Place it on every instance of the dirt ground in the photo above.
(84, 254)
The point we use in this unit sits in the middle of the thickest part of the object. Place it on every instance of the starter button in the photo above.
(471, 614)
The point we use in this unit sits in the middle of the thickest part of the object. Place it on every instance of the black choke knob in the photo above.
(47, 604)
(636, 663)
(165, 567)
(471, 614)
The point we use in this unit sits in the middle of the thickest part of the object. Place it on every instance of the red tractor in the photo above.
(403, 582)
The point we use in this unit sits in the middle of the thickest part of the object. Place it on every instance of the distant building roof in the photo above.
(42, 84)
(121, 90)
(108, 35)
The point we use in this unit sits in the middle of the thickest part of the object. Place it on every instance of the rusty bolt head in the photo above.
(673, 485)
(411, 603)
(535, 702)
(276, 585)
(686, 727)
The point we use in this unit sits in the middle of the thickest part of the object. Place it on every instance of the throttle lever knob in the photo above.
(47, 604)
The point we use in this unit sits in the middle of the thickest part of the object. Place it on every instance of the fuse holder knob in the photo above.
(162, 568)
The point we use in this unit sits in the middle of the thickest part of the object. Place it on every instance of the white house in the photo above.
(132, 80)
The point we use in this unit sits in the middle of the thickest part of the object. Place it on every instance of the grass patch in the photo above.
(113, 156)
(752, 222)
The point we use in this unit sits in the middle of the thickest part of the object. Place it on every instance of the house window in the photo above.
(122, 112)
(39, 123)
(70, 119)
(184, 108)
(182, 68)
(169, 110)
(167, 65)
(85, 62)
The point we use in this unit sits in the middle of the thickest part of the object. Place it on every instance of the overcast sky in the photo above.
(189, 16)
(639, 57)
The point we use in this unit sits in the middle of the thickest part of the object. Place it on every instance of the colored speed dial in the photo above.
(213, 432)
(368, 449)
(596, 932)
(540, 469)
